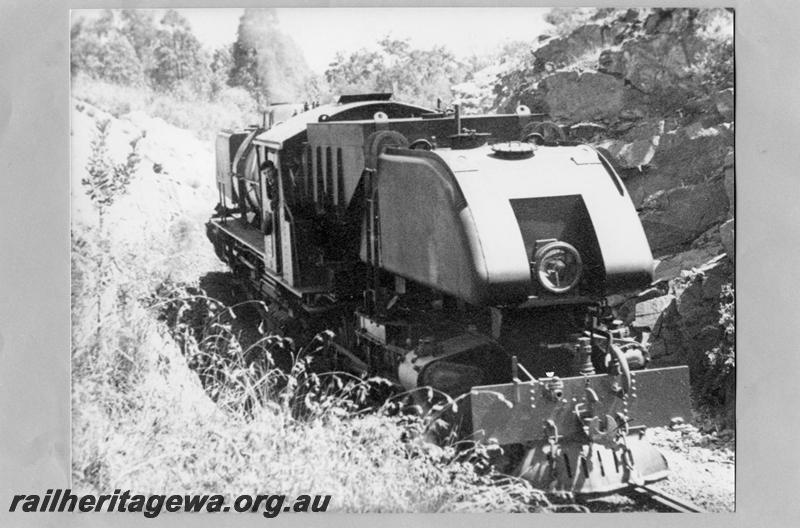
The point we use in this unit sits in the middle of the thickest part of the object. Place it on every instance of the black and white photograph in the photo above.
(407, 260)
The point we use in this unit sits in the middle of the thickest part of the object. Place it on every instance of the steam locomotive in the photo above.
(469, 255)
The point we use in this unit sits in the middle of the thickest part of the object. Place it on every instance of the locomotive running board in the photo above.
(521, 412)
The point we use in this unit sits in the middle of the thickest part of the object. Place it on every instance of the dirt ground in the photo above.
(703, 466)
(702, 472)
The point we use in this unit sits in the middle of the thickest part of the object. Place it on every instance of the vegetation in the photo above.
(413, 75)
(166, 399)
(716, 388)
(136, 62)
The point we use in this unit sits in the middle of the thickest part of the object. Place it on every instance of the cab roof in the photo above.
(296, 125)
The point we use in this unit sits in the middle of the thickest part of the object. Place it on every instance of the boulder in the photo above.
(689, 326)
(675, 217)
(693, 154)
(649, 128)
(611, 62)
(709, 240)
(730, 182)
(654, 156)
(648, 312)
(660, 63)
(670, 267)
(631, 155)
(726, 232)
(642, 184)
(573, 97)
(723, 102)
(561, 51)
(670, 20)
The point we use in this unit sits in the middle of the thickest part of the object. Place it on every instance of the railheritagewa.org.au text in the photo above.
(63, 500)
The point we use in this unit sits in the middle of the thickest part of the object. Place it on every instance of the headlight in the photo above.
(558, 266)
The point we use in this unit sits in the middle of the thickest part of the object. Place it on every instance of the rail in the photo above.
(665, 499)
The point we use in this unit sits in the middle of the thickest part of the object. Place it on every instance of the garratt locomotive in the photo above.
(468, 254)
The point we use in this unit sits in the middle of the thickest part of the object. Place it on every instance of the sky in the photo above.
(321, 32)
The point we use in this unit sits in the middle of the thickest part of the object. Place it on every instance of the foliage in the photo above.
(178, 55)
(414, 75)
(231, 107)
(102, 52)
(166, 398)
(717, 384)
(140, 28)
(107, 180)
(144, 420)
(221, 68)
(128, 47)
(713, 70)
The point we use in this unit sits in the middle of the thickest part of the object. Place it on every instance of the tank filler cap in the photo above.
(513, 150)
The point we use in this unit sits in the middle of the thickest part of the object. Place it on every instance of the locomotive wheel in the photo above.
(378, 141)
(543, 133)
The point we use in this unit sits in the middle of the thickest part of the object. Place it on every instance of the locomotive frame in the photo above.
(475, 266)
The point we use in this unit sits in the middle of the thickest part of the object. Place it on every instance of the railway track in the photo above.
(641, 498)
(665, 500)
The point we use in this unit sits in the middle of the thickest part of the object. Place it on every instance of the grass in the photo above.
(143, 420)
(163, 400)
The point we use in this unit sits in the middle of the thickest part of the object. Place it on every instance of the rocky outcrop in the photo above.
(574, 97)
(675, 216)
(654, 89)
(651, 63)
(727, 237)
(559, 52)
(689, 326)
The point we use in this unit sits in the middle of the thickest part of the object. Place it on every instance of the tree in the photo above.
(414, 75)
(178, 55)
(99, 49)
(358, 72)
(140, 28)
(221, 66)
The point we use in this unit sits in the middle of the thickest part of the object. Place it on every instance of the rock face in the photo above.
(688, 327)
(726, 234)
(652, 62)
(574, 97)
(558, 52)
(633, 155)
(659, 99)
(656, 86)
(672, 217)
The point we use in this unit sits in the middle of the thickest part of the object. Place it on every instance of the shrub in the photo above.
(183, 109)
(716, 386)
(115, 99)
